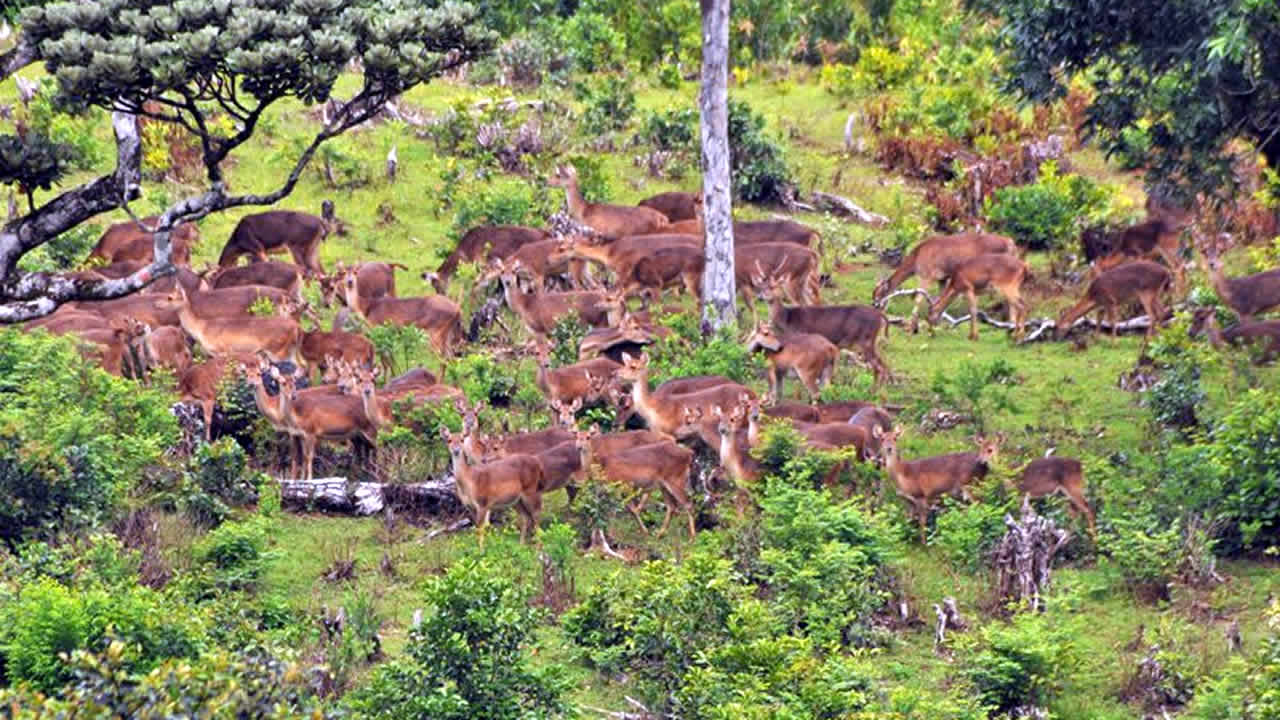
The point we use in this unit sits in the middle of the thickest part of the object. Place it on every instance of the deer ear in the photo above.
(876, 432)
(626, 359)
(444, 433)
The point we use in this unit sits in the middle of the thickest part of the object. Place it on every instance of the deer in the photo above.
(378, 407)
(1139, 280)
(935, 259)
(279, 337)
(484, 244)
(282, 275)
(165, 346)
(1002, 271)
(812, 357)
(234, 301)
(323, 414)
(583, 381)
(620, 256)
(438, 316)
(664, 466)
(1247, 295)
(541, 311)
(1052, 475)
(734, 446)
(613, 221)
(538, 262)
(855, 327)
(320, 348)
(270, 404)
(776, 231)
(277, 231)
(922, 482)
(677, 266)
(373, 280)
(663, 414)
(134, 241)
(565, 465)
(795, 267)
(1155, 237)
(675, 205)
(154, 310)
(1266, 332)
(512, 480)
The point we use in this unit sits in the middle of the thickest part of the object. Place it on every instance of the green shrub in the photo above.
(399, 347)
(593, 180)
(526, 58)
(968, 532)
(466, 658)
(482, 378)
(222, 470)
(610, 102)
(674, 129)
(1147, 553)
(64, 252)
(1022, 663)
(979, 391)
(756, 160)
(48, 619)
(686, 352)
(1249, 687)
(594, 43)
(499, 203)
(236, 553)
(821, 561)
(1245, 455)
(1173, 399)
(1051, 212)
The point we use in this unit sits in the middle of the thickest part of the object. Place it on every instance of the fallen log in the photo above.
(844, 207)
(339, 495)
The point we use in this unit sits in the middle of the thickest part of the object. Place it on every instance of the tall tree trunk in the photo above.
(718, 291)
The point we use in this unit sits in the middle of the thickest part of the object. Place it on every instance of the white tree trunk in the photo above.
(718, 291)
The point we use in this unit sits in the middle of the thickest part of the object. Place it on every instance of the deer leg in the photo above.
(206, 406)
(973, 313)
(482, 522)
(915, 309)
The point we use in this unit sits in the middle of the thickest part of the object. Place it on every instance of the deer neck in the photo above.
(731, 457)
(753, 431)
(574, 200)
(464, 475)
(271, 408)
(1222, 284)
(375, 408)
(905, 269)
(596, 253)
(1214, 332)
(643, 403)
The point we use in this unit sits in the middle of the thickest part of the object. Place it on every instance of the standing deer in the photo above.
(1002, 271)
(1058, 476)
(131, 241)
(279, 337)
(612, 221)
(1267, 333)
(323, 413)
(513, 480)
(922, 482)
(276, 231)
(846, 326)
(677, 205)
(438, 316)
(935, 259)
(1248, 295)
(1140, 280)
(664, 414)
(484, 244)
(811, 356)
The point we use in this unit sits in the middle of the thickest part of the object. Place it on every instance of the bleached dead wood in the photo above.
(452, 527)
(1024, 557)
(844, 207)
(337, 494)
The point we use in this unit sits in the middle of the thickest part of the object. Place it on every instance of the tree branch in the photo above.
(17, 57)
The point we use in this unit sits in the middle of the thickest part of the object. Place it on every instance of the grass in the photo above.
(1064, 397)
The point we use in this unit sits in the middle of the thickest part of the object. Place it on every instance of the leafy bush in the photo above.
(63, 252)
(610, 102)
(593, 181)
(248, 684)
(1245, 455)
(756, 161)
(465, 660)
(821, 560)
(221, 469)
(498, 203)
(525, 58)
(482, 378)
(675, 128)
(1146, 553)
(48, 619)
(978, 391)
(1173, 399)
(236, 553)
(686, 352)
(1051, 212)
(1022, 663)
(967, 532)
(566, 335)
(594, 43)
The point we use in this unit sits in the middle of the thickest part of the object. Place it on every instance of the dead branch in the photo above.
(846, 208)
(450, 528)
(1024, 557)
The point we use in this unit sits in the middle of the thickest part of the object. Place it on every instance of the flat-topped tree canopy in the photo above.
(212, 67)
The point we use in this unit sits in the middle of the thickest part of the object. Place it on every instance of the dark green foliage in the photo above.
(235, 554)
(610, 102)
(968, 532)
(1049, 213)
(593, 43)
(1022, 663)
(1249, 688)
(63, 252)
(219, 477)
(1206, 76)
(672, 129)
(1245, 454)
(514, 203)
(243, 684)
(483, 379)
(686, 352)
(566, 336)
(465, 660)
(1173, 399)
(978, 391)
(593, 180)
(33, 162)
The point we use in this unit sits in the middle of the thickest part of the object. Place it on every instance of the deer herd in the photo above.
(248, 320)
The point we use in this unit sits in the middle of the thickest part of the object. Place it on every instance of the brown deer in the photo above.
(855, 327)
(565, 465)
(1267, 333)
(776, 231)
(282, 275)
(678, 266)
(794, 266)
(541, 311)
(484, 244)
(165, 346)
(1058, 476)
(612, 221)
(270, 404)
(1247, 295)
(935, 259)
(664, 466)
(841, 411)
(323, 413)
(1155, 237)
(734, 447)
(812, 358)
(619, 256)
(922, 482)
(130, 241)
(1002, 271)
(277, 231)
(438, 316)
(279, 337)
(676, 205)
(379, 407)
(236, 300)
(373, 280)
(319, 348)
(513, 480)
(583, 381)
(154, 310)
(1139, 280)
(663, 414)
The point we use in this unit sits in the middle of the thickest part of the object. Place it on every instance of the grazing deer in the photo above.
(613, 221)
(541, 311)
(776, 231)
(676, 205)
(922, 482)
(282, 275)
(131, 241)
(438, 316)
(279, 337)
(1155, 237)
(812, 357)
(276, 231)
(236, 300)
(663, 414)
(484, 244)
(1058, 475)
(323, 414)
(1267, 332)
(1002, 271)
(793, 411)
(1139, 280)
(935, 259)
(1248, 295)
(154, 310)
(513, 480)
(846, 326)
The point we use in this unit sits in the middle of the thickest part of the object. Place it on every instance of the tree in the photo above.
(718, 291)
(1198, 73)
(212, 67)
